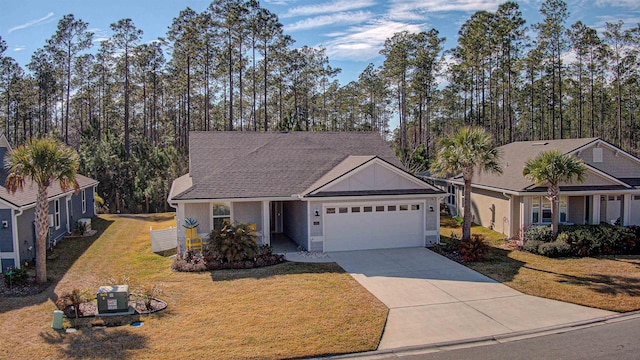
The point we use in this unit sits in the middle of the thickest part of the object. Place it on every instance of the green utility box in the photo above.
(113, 299)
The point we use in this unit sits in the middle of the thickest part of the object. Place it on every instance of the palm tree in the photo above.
(465, 151)
(551, 168)
(43, 162)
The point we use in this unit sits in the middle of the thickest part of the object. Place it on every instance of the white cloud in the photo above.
(364, 42)
(31, 23)
(330, 7)
(19, 48)
(343, 18)
(632, 4)
(418, 10)
(280, 2)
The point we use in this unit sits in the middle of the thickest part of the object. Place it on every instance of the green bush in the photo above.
(532, 246)
(459, 220)
(235, 242)
(540, 233)
(15, 277)
(556, 248)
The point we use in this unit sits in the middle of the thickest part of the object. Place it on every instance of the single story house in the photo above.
(326, 191)
(17, 214)
(509, 203)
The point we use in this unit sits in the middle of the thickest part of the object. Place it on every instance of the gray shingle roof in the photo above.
(515, 155)
(226, 165)
(27, 196)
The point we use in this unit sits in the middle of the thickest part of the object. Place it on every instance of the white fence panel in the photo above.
(162, 240)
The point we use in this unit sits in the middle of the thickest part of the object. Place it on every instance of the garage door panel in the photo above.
(374, 230)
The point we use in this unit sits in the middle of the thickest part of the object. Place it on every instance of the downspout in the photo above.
(14, 234)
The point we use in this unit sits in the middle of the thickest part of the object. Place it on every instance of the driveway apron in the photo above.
(432, 299)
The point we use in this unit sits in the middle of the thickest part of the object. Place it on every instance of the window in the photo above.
(57, 213)
(84, 201)
(546, 211)
(367, 209)
(404, 207)
(541, 204)
(535, 210)
(451, 199)
(331, 210)
(221, 215)
(415, 207)
(379, 208)
(343, 210)
(391, 208)
(355, 209)
(597, 155)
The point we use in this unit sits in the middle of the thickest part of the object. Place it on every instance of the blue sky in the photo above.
(352, 31)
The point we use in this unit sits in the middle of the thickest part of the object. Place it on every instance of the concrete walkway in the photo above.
(432, 299)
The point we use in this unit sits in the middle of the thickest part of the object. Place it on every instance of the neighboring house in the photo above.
(326, 191)
(17, 214)
(509, 203)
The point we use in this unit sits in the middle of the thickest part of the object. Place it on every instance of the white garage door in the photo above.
(373, 226)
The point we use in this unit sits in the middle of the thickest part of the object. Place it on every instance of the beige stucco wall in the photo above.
(491, 210)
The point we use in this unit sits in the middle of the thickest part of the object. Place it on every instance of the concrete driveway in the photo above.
(432, 299)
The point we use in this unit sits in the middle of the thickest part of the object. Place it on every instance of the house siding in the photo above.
(200, 212)
(617, 165)
(295, 221)
(27, 234)
(6, 235)
(489, 209)
(514, 222)
(248, 212)
(373, 177)
(57, 234)
(576, 209)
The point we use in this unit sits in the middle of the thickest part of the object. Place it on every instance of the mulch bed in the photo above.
(448, 253)
(30, 288)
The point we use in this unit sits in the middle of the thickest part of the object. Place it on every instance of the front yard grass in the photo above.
(605, 282)
(287, 310)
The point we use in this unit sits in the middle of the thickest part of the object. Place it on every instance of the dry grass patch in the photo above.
(606, 282)
(287, 310)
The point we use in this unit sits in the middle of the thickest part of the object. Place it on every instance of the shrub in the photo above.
(15, 277)
(539, 232)
(81, 228)
(188, 262)
(234, 243)
(532, 246)
(459, 220)
(474, 249)
(148, 292)
(73, 298)
(556, 248)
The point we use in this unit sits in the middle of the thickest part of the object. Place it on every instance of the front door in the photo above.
(276, 216)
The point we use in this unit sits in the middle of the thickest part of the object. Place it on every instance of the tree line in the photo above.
(129, 106)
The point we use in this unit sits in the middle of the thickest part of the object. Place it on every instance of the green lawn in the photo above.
(605, 282)
(288, 310)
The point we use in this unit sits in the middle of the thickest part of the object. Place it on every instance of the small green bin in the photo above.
(57, 319)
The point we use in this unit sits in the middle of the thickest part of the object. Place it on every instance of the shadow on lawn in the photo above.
(113, 343)
(67, 251)
(288, 268)
(603, 284)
